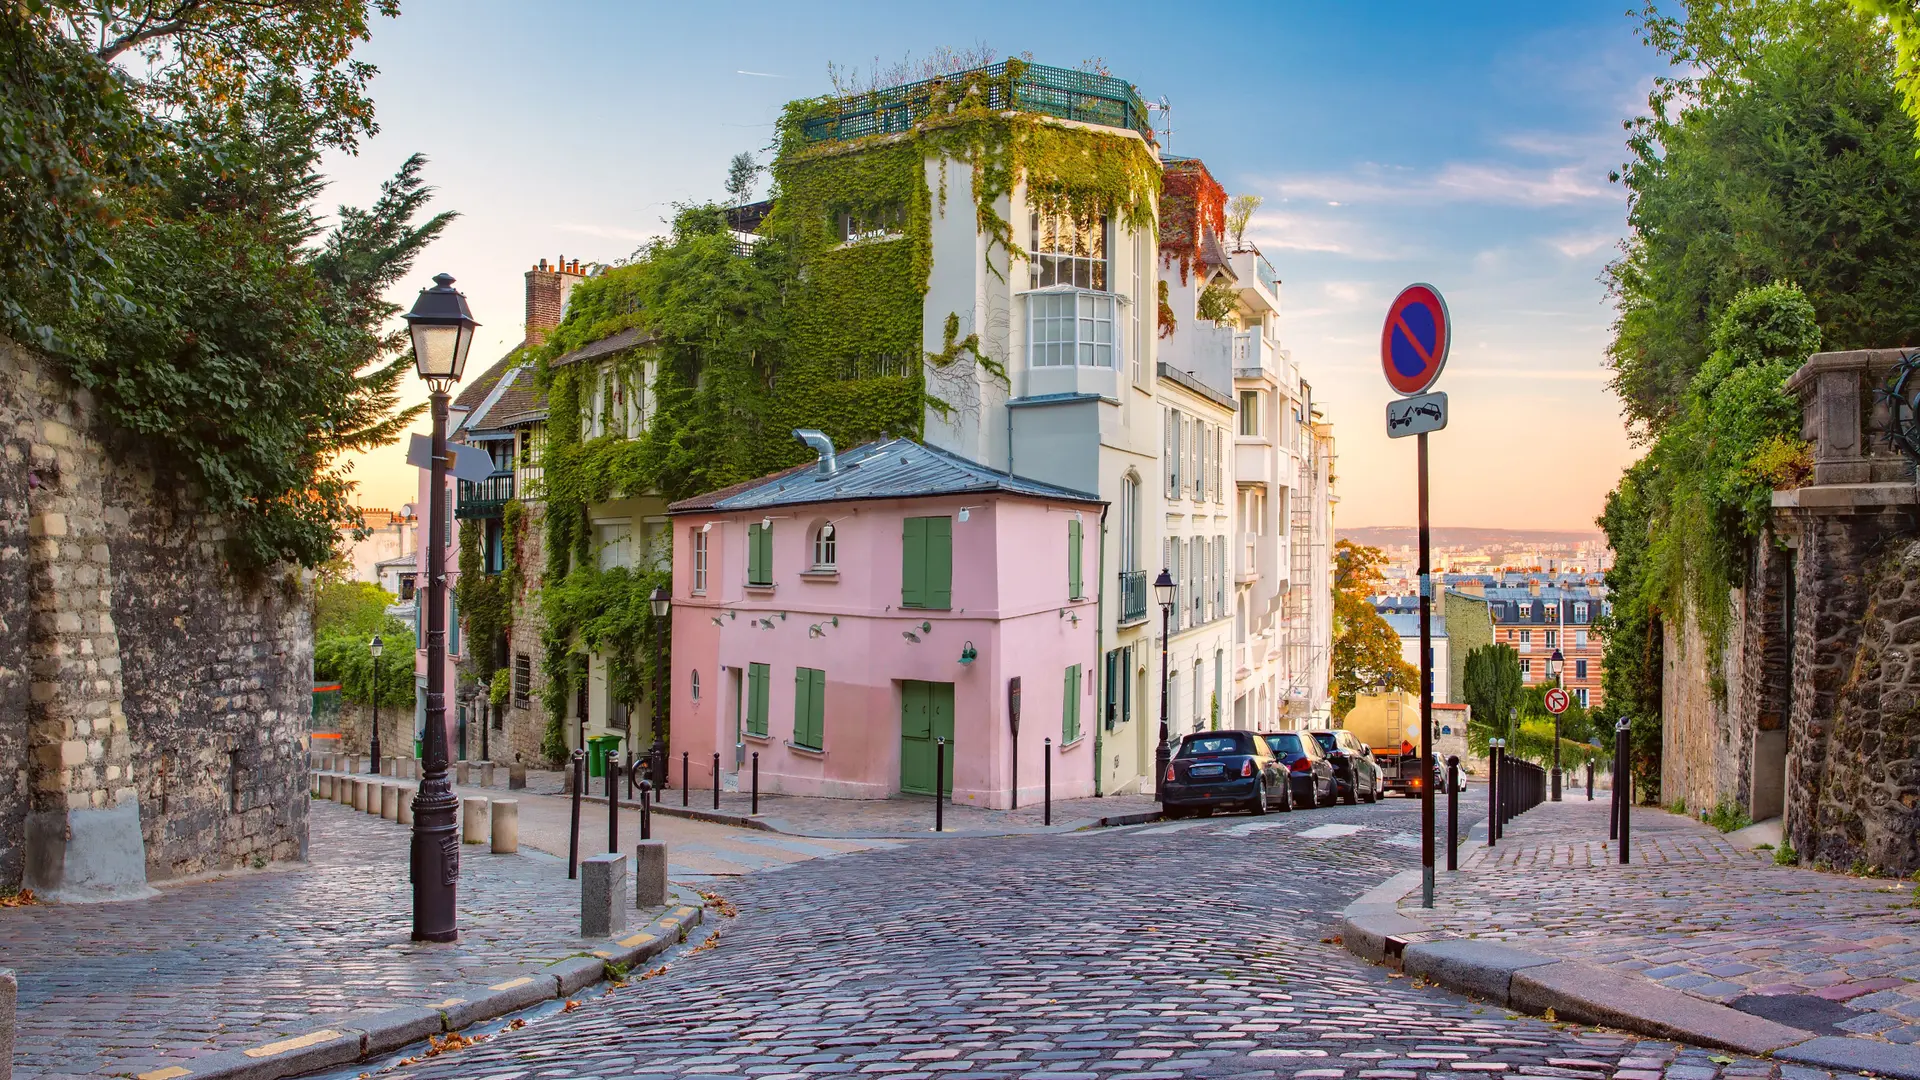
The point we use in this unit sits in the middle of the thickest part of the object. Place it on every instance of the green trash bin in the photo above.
(598, 748)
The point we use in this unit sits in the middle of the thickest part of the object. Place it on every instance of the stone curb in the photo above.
(1374, 928)
(361, 1035)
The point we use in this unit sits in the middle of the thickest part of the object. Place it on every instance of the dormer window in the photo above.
(1068, 251)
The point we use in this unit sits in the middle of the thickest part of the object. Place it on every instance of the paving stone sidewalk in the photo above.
(114, 989)
(1833, 954)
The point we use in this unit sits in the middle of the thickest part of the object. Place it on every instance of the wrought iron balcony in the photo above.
(483, 498)
(1071, 95)
(1133, 595)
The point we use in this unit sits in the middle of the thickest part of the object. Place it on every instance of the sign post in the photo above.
(1557, 702)
(1413, 350)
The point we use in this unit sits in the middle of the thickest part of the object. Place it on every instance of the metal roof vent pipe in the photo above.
(829, 465)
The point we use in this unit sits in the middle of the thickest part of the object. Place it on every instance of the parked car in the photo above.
(1223, 769)
(1309, 771)
(1356, 776)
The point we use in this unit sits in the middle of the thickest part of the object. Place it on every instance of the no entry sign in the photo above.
(1413, 343)
(1556, 701)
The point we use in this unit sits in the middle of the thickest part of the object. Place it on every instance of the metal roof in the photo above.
(897, 468)
(1409, 625)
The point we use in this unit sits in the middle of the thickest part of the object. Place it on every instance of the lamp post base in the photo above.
(1556, 784)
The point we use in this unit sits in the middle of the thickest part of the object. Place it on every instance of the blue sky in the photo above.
(1467, 145)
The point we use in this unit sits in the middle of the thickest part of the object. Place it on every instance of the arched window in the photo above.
(825, 547)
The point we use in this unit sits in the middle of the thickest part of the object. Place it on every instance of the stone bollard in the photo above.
(516, 777)
(356, 794)
(9, 996)
(460, 772)
(390, 802)
(506, 826)
(405, 816)
(650, 874)
(389, 766)
(374, 788)
(603, 895)
(486, 775)
(473, 820)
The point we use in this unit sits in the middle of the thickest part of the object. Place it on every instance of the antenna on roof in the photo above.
(1165, 109)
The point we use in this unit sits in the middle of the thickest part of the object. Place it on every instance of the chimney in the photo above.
(1533, 587)
(547, 289)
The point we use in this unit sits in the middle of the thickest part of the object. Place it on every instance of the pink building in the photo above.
(839, 617)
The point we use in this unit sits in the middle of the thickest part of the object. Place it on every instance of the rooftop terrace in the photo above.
(1071, 95)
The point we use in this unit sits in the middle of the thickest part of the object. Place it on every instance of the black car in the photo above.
(1227, 769)
(1309, 770)
(1355, 775)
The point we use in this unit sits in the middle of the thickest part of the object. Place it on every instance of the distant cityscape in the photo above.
(1484, 551)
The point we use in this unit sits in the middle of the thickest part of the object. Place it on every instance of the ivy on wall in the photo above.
(817, 324)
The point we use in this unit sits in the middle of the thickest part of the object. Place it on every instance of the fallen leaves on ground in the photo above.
(713, 940)
(1550, 1016)
(1721, 1059)
(17, 898)
(517, 1023)
(437, 1045)
(570, 1006)
(654, 974)
(721, 905)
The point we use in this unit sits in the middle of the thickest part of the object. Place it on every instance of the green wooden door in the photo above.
(926, 713)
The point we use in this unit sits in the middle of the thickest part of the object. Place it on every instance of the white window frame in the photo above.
(1073, 321)
(1078, 260)
(626, 543)
(1197, 460)
(1580, 611)
(1250, 413)
(826, 547)
(699, 562)
(1220, 465)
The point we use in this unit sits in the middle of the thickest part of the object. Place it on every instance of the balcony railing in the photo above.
(1070, 95)
(1133, 595)
(484, 498)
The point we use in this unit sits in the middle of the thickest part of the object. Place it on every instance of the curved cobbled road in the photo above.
(1199, 948)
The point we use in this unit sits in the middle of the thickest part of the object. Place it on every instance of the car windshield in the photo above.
(1203, 745)
(1284, 743)
(1326, 740)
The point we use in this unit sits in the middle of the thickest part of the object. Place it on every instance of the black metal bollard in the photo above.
(1493, 794)
(939, 784)
(1046, 781)
(613, 804)
(646, 809)
(716, 780)
(1626, 789)
(629, 772)
(1453, 812)
(1589, 779)
(686, 781)
(573, 834)
(1613, 804)
(756, 783)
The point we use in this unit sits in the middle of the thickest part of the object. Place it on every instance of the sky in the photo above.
(1465, 145)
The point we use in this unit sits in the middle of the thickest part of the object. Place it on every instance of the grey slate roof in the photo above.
(612, 343)
(896, 468)
(1409, 625)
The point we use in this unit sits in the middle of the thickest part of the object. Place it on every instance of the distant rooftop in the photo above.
(1071, 95)
(897, 468)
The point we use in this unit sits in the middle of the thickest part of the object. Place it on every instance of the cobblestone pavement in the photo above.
(1154, 952)
(235, 961)
(1834, 954)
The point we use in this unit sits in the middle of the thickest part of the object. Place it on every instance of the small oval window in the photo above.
(696, 686)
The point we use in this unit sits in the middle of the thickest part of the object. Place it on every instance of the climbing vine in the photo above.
(1194, 204)
(1216, 302)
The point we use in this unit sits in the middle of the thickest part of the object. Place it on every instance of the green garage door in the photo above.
(926, 713)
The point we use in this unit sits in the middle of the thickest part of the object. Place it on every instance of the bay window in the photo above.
(1071, 328)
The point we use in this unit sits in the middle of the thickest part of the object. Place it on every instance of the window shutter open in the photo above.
(1073, 559)
(817, 701)
(757, 699)
(940, 562)
(913, 563)
(1070, 707)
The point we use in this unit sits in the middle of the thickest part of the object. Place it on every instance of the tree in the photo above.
(1901, 18)
(354, 609)
(1240, 210)
(742, 173)
(1492, 686)
(1366, 651)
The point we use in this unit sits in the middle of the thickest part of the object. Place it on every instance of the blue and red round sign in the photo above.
(1413, 344)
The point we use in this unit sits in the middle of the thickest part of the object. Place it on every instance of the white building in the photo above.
(1408, 627)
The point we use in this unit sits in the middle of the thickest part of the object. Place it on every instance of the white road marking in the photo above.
(1253, 827)
(1321, 832)
(1178, 826)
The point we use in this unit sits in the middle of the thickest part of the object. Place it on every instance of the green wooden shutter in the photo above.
(759, 554)
(913, 563)
(1073, 559)
(757, 699)
(940, 562)
(1070, 712)
(801, 710)
(809, 707)
(453, 623)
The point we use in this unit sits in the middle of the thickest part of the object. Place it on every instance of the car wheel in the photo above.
(1332, 796)
(1259, 806)
(1286, 798)
(1353, 792)
(1173, 813)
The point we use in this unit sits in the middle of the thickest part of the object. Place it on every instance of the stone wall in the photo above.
(520, 728)
(1469, 626)
(153, 705)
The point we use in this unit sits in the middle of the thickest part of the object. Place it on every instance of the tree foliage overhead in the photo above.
(1492, 686)
(158, 239)
(1778, 151)
(1366, 650)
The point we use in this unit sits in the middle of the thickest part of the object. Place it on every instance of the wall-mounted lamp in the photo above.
(968, 654)
(816, 631)
(835, 621)
(783, 616)
(717, 622)
(767, 623)
(926, 628)
(707, 528)
(766, 522)
(910, 636)
(965, 512)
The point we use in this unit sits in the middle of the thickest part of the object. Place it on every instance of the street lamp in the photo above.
(1555, 665)
(1164, 591)
(442, 328)
(373, 750)
(662, 602)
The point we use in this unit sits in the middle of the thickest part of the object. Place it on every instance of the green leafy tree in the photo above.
(1366, 650)
(345, 659)
(1492, 686)
(350, 609)
(742, 173)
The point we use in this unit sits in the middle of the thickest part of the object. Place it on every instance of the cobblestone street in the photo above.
(1826, 952)
(1197, 948)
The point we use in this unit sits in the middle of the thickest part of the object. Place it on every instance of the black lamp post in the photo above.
(373, 749)
(1555, 665)
(1164, 591)
(662, 603)
(442, 330)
